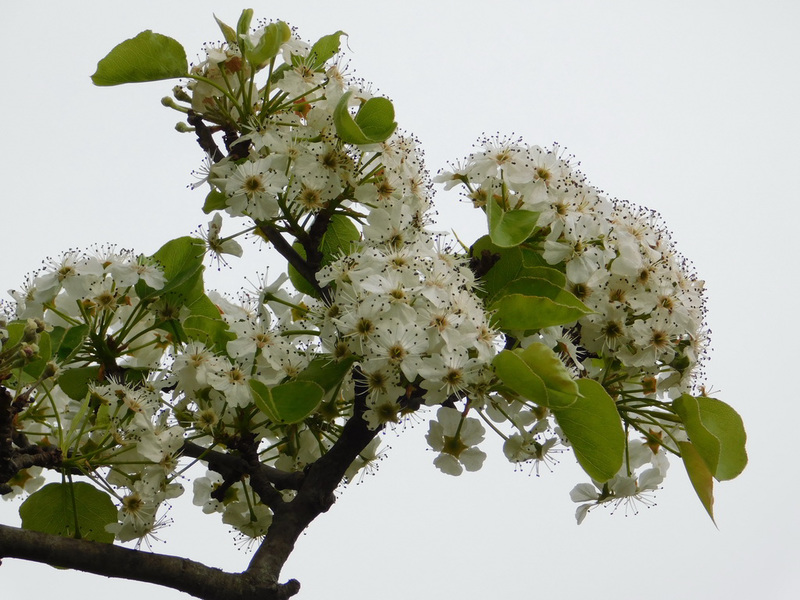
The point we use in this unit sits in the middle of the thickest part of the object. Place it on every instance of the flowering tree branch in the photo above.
(572, 325)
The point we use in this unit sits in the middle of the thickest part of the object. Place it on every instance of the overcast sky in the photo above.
(689, 108)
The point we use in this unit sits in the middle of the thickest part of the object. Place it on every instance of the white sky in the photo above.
(690, 108)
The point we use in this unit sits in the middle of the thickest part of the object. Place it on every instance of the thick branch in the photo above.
(114, 561)
(315, 496)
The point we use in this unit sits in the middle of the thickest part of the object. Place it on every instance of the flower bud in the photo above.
(50, 369)
(180, 94)
(29, 352)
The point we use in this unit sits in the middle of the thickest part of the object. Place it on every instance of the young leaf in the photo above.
(324, 49)
(75, 382)
(512, 263)
(275, 35)
(538, 374)
(287, 403)
(182, 262)
(376, 119)
(327, 372)
(227, 31)
(58, 508)
(511, 228)
(215, 200)
(700, 476)
(379, 121)
(338, 238)
(243, 26)
(147, 57)
(593, 427)
(523, 312)
(717, 434)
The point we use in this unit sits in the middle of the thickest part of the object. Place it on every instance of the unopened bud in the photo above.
(29, 352)
(180, 94)
(50, 369)
(31, 331)
(167, 101)
(183, 127)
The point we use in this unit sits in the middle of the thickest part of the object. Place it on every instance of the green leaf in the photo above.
(509, 228)
(15, 331)
(75, 382)
(513, 263)
(147, 57)
(338, 238)
(72, 341)
(215, 200)
(537, 374)
(182, 262)
(716, 432)
(700, 476)
(379, 120)
(327, 372)
(275, 35)
(228, 32)
(76, 510)
(213, 333)
(324, 49)
(300, 283)
(243, 26)
(375, 118)
(593, 427)
(287, 403)
(522, 312)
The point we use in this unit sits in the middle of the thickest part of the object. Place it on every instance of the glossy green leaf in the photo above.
(379, 120)
(325, 48)
(182, 262)
(287, 403)
(593, 427)
(76, 510)
(375, 118)
(215, 200)
(513, 263)
(75, 382)
(536, 373)
(700, 476)
(327, 372)
(521, 312)
(510, 228)
(147, 57)
(716, 432)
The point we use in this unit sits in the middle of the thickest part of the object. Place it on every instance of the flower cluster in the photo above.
(643, 336)
(398, 300)
(122, 368)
